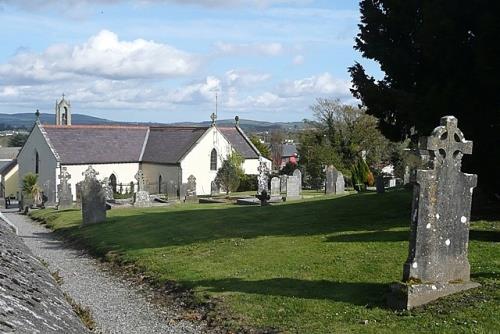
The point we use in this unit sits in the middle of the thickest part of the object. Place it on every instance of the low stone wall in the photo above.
(30, 299)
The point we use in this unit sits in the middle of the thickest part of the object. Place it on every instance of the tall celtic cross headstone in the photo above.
(141, 197)
(437, 263)
(65, 197)
(263, 178)
(93, 198)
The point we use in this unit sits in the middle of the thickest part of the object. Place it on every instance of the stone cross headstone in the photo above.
(93, 198)
(141, 197)
(214, 189)
(339, 183)
(330, 180)
(262, 178)
(294, 185)
(437, 263)
(275, 187)
(65, 200)
(380, 184)
(191, 189)
(108, 190)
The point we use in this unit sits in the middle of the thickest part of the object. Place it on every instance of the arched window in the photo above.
(37, 163)
(159, 184)
(213, 160)
(112, 182)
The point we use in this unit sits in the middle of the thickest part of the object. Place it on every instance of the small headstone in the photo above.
(191, 189)
(392, 182)
(275, 187)
(65, 200)
(262, 178)
(406, 176)
(78, 194)
(330, 180)
(141, 197)
(437, 263)
(380, 184)
(339, 183)
(214, 189)
(283, 179)
(294, 185)
(183, 191)
(93, 198)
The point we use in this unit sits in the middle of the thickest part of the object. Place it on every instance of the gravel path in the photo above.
(116, 305)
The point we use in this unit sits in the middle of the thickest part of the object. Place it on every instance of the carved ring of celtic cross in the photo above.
(447, 142)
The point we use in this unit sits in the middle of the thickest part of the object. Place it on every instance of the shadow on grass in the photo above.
(140, 229)
(356, 293)
(383, 236)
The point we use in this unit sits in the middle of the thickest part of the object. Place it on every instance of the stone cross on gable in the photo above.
(213, 117)
(440, 219)
(447, 143)
(90, 173)
(139, 176)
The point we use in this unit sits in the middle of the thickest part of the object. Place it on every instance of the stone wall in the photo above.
(30, 299)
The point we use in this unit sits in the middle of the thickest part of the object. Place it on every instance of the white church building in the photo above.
(167, 155)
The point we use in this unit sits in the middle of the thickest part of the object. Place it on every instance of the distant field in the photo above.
(321, 265)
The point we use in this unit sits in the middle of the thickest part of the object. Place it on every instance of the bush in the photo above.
(248, 183)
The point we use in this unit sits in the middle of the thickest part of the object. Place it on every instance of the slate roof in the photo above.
(170, 143)
(81, 144)
(9, 152)
(239, 142)
(288, 150)
(6, 166)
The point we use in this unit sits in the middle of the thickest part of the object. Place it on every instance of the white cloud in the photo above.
(244, 78)
(196, 92)
(67, 4)
(102, 55)
(265, 49)
(298, 60)
(324, 83)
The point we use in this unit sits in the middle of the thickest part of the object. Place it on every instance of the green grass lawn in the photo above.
(320, 265)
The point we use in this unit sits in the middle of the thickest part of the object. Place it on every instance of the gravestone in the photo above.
(214, 189)
(78, 194)
(191, 189)
(262, 178)
(183, 191)
(437, 263)
(380, 184)
(283, 179)
(93, 198)
(108, 190)
(65, 200)
(330, 180)
(141, 197)
(294, 185)
(171, 190)
(275, 187)
(339, 183)
(406, 176)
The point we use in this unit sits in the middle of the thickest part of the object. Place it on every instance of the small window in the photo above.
(213, 160)
(159, 184)
(37, 163)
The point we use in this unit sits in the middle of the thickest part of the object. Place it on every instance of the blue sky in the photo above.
(163, 60)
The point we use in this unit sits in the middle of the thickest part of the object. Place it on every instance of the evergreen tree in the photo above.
(439, 58)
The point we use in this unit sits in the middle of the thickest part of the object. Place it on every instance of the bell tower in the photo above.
(63, 112)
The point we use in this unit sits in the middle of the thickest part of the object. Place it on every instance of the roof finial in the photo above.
(213, 117)
(237, 120)
(37, 114)
(63, 96)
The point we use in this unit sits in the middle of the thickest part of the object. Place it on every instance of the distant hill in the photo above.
(26, 120)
